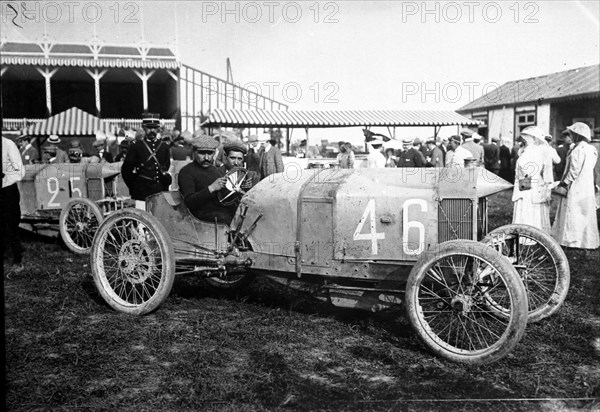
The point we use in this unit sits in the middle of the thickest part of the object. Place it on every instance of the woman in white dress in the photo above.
(575, 224)
(533, 181)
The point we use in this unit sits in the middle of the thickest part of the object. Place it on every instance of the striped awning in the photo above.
(335, 118)
(71, 122)
(88, 62)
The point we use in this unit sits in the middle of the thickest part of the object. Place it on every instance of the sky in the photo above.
(336, 55)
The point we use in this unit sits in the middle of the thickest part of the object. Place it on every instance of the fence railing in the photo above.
(18, 124)
(14, 124)
(136, 123)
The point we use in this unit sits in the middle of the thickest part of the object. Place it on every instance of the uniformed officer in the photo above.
(145, 169)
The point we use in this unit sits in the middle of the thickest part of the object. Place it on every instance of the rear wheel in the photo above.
(448, 298)
(541, 263)
(78, 223)
(133, 261)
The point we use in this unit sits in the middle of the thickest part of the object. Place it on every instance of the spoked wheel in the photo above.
(234, 187)
(448, 297)
(541, 263)
(133, 261)
(78, 223)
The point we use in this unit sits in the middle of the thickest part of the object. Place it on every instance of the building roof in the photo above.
(583, 82)
(334, 118)
(71, 122)
(87, 55)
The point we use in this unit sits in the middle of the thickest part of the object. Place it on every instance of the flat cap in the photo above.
(235, 146)
(495, 139)
(454, 138)
(204, 143)
(466, 132)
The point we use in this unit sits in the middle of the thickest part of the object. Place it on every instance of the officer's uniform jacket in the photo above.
(143, 173)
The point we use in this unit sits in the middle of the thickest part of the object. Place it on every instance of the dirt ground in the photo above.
(270, 348)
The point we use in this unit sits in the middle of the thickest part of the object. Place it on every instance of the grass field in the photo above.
(274, 349)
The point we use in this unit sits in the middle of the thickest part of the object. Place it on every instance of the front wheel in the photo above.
(133, 261)
(78, 223)
(541, 263)
(448, 297)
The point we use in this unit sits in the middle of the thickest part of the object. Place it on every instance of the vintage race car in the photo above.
(363, 238)
(70, 199)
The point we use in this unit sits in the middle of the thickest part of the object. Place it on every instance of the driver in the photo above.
(200, 181)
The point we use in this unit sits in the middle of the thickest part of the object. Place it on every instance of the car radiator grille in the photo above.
(455, 219)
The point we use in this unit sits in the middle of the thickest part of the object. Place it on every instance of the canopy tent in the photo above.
(334, 118)
(71, 122)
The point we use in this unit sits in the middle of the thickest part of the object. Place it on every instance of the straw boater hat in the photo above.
(467, 133)
(53, 139)
(581, 129)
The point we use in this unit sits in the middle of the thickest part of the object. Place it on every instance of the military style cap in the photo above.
(204, 143)
(151, 120)
(235, 146)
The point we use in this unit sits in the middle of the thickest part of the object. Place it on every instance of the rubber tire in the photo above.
(516, 323)
(562, 273)
(167, 258)
(71, 243)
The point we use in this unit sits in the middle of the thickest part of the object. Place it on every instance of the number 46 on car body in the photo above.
(408, 225)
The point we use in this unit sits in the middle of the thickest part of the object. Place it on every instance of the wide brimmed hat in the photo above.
(204, 143)
(53, 139)
(151, 120)
(535, 132)
(581, 129)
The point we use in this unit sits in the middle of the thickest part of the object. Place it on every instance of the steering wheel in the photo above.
(234, 188)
